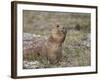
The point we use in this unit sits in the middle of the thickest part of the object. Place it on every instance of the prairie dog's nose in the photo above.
(64, 29)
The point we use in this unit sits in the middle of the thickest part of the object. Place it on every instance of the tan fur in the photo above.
(53, 46)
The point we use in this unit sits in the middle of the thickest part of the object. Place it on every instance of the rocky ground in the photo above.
(75, 54)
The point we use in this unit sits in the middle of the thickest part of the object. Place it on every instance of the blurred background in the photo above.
(76, 47)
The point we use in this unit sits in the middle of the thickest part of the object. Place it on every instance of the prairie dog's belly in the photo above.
(54, 52)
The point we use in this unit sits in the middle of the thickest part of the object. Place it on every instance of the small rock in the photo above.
(31, 64)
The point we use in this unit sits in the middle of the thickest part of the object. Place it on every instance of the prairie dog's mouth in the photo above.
(62, 30)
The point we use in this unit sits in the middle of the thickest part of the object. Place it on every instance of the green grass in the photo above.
(73, 53)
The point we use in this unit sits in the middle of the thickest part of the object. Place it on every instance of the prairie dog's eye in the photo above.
(57, 25)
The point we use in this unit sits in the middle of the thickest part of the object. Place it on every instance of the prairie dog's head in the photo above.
(59, 32)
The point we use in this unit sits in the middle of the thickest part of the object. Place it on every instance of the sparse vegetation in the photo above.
(76, 47)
